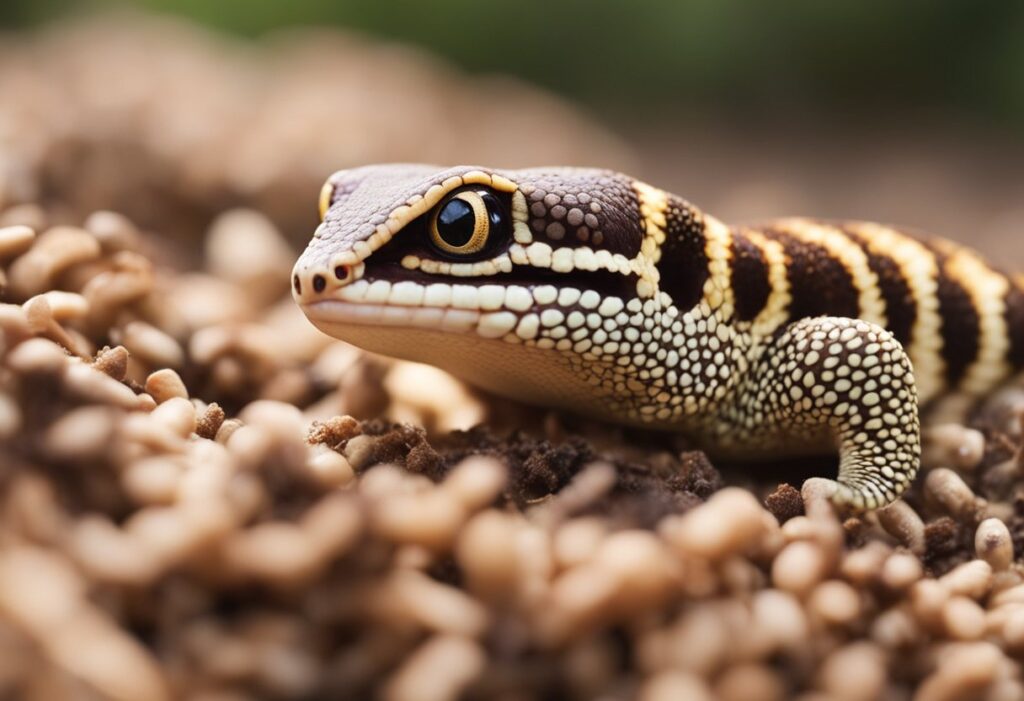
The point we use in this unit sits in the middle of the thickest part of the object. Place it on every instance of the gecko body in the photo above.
(594, 292)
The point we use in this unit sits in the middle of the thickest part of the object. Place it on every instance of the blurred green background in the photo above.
(745, 58)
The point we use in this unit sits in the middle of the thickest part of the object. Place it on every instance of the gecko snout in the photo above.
(313, 282)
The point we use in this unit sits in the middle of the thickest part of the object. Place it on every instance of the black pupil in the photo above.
(456, 222)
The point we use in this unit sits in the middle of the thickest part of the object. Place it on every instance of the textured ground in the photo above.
(202, 497)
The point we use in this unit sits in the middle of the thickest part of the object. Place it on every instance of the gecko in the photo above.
(591, 291)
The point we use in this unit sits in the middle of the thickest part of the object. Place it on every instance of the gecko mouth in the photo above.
(334, 311)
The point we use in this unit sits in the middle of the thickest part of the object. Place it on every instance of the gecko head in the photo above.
(513, 280)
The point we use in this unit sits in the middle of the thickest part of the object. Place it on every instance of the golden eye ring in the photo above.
(326, 192)
(461, 224)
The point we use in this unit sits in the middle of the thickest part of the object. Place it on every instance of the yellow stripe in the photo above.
(718, 292)
(653, 205)
(776, 310)
(987, 290)
(870, 303)
(918, 267)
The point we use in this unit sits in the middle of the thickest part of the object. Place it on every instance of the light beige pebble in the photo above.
(835, 602)
(15, 240)
(165, 384)
(580, 599)
(577, 540)
(903, 523)
(114, 231)
(1007, 689)
(1010, 595)
(862, 566)
(431, 519)
(208, 344)
(901, 570)
(963, 619)
(487, 552)
(1013, 629)
(209, 467)
(177, 414)
(39, 589)
(799, 567)
(14, 325)
(63, 306)
(85, 382)
(111, 290)
(249, 444)
(780, 616)
(95, 649)
(750, 682)
(41, 321)
(140, 428)
(896, 629)
(962, 670)
(37, 355)
(973, 579)
(730, 522)
(108, 554)
(389, 480)
(410, 596)
(152, 345)
(244, 246)
(277, 552)
(227, 428)
(329, 467)
(439, 670)
(176, 533)
(82, 434)
(799, 528)
(928, 599)
(476, 482)
(283, 421)
(993, 544)
(947, 489)
(55, 250)
(672, 686)
(333, 524)
(153, 480)
(854, 672)
(641, 565)
(424, 394)
(952, 446)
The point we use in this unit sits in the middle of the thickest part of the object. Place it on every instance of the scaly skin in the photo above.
(602, 295)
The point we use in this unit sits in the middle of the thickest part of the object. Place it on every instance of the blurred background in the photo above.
(170, 110)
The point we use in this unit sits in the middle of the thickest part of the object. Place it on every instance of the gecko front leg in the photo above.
(839, 377)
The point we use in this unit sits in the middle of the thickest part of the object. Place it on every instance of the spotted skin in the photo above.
(606, 296)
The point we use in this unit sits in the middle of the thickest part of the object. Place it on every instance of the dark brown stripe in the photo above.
(818, 283)
(1015, 324)
(750, 283)
(900, 308)
(961, 325)
(684, 262)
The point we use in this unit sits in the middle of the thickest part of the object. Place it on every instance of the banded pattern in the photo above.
(589, 290)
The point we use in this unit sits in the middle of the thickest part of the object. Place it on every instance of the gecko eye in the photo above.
(466, 221)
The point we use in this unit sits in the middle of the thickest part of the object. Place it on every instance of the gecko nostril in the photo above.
(319, 283)
(297, 284)
(341, 272)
